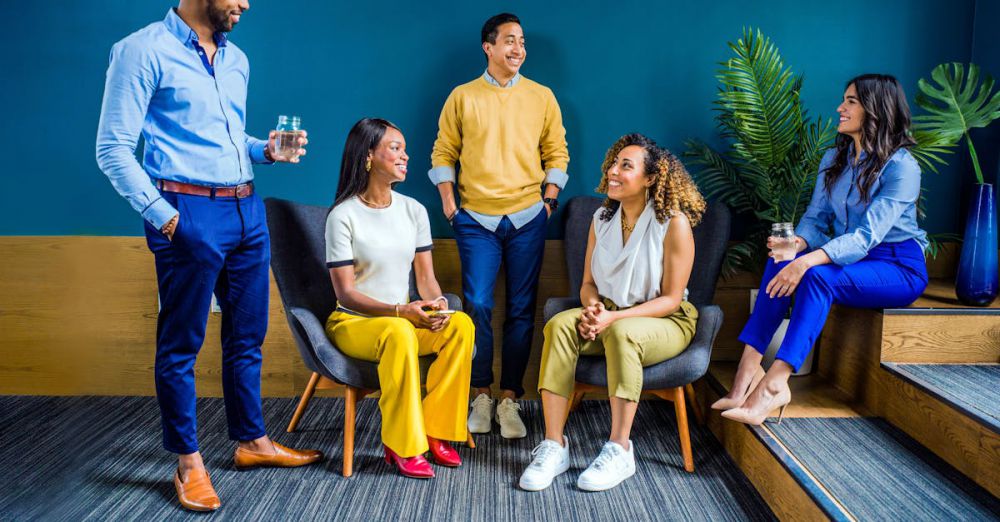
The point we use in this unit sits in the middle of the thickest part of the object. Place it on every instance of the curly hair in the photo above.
(673, 190)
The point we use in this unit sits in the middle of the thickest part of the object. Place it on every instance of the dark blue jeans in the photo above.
(221, 245)
(891, 275)
(481, 252)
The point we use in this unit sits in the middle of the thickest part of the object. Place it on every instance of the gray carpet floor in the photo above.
(975, 388)
(99, 458)
(879, 473)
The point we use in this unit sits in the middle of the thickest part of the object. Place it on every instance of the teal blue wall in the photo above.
(616, 67)
(986, 53)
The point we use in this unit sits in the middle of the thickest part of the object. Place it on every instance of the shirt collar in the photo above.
(850, 156)
(183, 32)
(492, 81)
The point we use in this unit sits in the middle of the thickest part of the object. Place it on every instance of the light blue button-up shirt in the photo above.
(191, 114)
(520, 218)
(890, 216)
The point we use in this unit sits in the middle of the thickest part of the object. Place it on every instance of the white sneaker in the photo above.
(511, 426)
(609, 469)
(551, 460)
(481, 416)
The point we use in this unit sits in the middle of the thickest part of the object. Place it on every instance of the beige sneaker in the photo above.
(511, 426)
(481, 416)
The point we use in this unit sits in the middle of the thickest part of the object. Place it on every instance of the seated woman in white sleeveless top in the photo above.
(635, 310)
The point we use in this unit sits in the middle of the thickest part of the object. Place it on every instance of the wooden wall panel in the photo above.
(78, 316)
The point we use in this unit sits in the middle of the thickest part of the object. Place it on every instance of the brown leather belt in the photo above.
(239, 191)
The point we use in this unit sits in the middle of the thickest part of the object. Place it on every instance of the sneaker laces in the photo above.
(543, 452)
(508, 408)
(606, 457)
(482, 402)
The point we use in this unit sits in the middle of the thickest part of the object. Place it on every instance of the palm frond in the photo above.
(759, 99)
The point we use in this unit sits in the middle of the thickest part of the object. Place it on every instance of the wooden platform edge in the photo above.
(785, 485)
(963, 442)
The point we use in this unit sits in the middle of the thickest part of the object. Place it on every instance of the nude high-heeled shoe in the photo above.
(728, 404)
(758, 415)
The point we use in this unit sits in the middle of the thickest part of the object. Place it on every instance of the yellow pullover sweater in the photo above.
(504, 141)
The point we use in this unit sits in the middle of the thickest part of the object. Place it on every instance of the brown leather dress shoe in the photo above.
(196, 493)
(282, 458)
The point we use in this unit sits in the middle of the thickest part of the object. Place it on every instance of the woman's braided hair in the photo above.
(673, 190)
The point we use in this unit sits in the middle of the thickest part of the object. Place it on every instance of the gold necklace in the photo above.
(373, 205)
(626, 228)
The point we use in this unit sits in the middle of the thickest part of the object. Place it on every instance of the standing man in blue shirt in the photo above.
(183, 86)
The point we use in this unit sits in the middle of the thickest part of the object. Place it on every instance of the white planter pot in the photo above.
(779, 336)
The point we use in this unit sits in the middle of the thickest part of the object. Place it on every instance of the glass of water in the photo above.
(289, 130)
(783, 241)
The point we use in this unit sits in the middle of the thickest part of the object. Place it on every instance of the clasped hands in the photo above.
(593, 320)
(420, 313)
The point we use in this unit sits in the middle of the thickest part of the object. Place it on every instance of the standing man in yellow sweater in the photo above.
(506, 132)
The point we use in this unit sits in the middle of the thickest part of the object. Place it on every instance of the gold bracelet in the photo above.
(396, 306)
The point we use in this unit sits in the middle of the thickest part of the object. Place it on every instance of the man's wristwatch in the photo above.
(267, 154)
(553, 203)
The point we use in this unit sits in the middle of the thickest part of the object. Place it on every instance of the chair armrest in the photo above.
(554, 305)
(326, 358)
(454, 302)
(700, 349)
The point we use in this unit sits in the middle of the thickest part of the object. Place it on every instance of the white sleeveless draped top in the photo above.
(629, 273)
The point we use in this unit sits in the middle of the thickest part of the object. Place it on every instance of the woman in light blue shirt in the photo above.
(858, 245)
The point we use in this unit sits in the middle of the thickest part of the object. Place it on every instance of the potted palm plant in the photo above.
(769, 168)
(955, 104)
(774, 148)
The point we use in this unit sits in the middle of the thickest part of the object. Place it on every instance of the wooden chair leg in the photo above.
(469, 441)
(699, 416)
(350, 403)
(682, 429)
(303, 402)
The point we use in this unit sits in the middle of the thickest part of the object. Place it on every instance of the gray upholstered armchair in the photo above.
(669, 379)
(298, 260)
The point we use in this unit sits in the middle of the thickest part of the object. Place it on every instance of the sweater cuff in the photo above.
(442, 174)
(556, 177)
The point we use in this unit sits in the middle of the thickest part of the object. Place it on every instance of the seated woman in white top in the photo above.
(373, 237)
(635, 310)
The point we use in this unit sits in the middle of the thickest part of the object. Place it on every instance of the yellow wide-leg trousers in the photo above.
(396, 344)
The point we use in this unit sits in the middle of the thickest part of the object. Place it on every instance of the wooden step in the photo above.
(800, 479)
(786, 485)
(938, 329)
(954, 410)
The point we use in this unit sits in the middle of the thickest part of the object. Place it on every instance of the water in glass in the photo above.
(783, 239)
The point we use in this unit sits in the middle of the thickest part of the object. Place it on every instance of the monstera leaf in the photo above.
(955, 103)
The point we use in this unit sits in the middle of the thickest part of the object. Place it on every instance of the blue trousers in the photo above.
(221, 245)
(481, 252)
(891, 275)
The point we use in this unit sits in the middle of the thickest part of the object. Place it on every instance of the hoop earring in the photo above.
(368, 165)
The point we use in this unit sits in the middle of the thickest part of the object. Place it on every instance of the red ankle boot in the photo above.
(413, 467)
(443, 453)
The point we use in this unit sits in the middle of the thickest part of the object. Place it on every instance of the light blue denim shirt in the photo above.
(191, 113)
(890, 216)
(520, 218)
